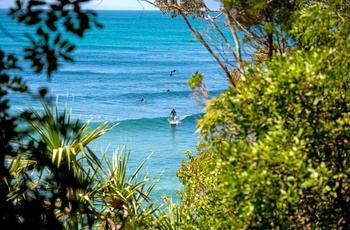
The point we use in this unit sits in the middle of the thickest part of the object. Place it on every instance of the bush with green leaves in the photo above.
(282, 144)
(99, 192)
(46, 49)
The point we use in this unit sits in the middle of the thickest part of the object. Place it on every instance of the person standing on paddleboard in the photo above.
(173, 114)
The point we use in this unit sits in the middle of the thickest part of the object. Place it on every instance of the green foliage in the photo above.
(48, 45)
(64, 148)
(45, 51)
(265, 24)
(119, 200)
(195, 80)
(281, 145)
(190, 7)
(200, 191)
(98, 192)
(63, 137)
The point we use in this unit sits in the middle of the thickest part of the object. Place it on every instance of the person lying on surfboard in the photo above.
(173, 114)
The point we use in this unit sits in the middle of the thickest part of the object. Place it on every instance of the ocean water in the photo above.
(129, 59)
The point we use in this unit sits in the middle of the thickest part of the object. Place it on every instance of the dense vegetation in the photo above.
(274, 146)
(276, 150)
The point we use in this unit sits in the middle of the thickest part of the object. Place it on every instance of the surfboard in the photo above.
(174, 122)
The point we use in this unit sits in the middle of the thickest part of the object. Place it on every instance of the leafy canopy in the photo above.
(282, 144)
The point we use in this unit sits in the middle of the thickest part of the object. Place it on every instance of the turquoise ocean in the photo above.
(129, 59)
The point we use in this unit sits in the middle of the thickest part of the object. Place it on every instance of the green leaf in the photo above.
(57, 39)
(70, 48)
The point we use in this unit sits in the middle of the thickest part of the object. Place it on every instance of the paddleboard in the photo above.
(174, 122)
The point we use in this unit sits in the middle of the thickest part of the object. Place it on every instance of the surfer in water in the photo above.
(173, 114)
(171, 72)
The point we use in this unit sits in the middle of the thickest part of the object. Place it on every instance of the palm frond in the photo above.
(64, 139)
